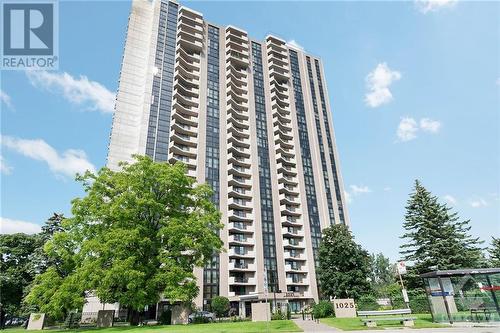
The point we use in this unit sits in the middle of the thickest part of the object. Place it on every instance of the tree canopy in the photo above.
(136, 236)
(435, 237)
(21, 259)
(494, 252)
(344, 267)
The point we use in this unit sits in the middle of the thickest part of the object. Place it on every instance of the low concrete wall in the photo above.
(180, 314)
(261, 312)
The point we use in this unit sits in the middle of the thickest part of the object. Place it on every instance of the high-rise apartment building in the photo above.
(251, 118)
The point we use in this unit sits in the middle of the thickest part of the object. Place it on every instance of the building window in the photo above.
(268, 235)
(312, 204)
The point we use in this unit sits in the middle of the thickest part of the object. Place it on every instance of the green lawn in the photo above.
(351, 324)
(238, 327)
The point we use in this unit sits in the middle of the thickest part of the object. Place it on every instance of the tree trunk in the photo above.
(133, 317)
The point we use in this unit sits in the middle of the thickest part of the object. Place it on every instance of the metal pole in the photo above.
(445, 300)
(402, 290)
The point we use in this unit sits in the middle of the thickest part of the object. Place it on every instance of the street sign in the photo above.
(401, 268)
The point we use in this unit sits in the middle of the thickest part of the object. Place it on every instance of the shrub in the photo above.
(367, 303)
(322, 309)
(220, 306)
(278, 315)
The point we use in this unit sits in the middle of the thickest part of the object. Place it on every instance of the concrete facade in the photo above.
(252, 119)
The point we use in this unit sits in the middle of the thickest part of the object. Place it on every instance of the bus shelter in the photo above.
(463, 294)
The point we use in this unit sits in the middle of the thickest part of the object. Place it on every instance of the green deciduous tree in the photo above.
(16, 267)
(344, 267)
(136, 236)
(382, 273)
(494, 252)
(435, 238)
(21, 259)
(220, 306)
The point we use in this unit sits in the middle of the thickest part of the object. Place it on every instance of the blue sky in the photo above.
(414, 87)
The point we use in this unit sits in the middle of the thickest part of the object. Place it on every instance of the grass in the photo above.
(352, 324)
(224, 327)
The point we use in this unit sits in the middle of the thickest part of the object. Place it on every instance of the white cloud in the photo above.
(4, 167)
(9, 226)
(426, 6)
(430, 125)
(67, 163)
(355, 189)
(407, 129)
(80, 91)
(387, 188)
(378, 82)
(479, 203)
(5, 99)
(450, 199)
(294, 43)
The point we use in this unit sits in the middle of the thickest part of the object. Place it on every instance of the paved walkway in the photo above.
(310, 326)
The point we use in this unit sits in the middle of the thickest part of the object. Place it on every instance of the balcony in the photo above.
(292, 281)
(237, 73)
(241, 267)
(294, 256)
(236, 280)
(292, 232)
(293, 243)
(191, 68)
(238, 171)
(240, 204)
(186, 110)
(237, 239)
(237, 59)
(236, 102)
(290, 221)
(238, 160)
(189, 14)
(192, 58)
(285, 168)
(290, 210)
(184, 139)
(286, 188)
(240, 115)
(185, 120)
(186, 75)
(239, 192)
(238, 123)
(237, 132)
(284, 157)
(239, 227)
(231, 147)
(239, 215)
(184, 100)
(182, 150)
(295, 268)
(237, 36)
(241, 252)
(190, 23)
(239, 181)
(289, 199)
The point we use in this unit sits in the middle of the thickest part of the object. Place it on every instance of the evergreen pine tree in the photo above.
(436, 238)
(494, 252)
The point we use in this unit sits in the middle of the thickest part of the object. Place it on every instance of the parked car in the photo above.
(15, 321)
(205, 315)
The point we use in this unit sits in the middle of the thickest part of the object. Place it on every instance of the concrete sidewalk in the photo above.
(314, 327)
(310, 326)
